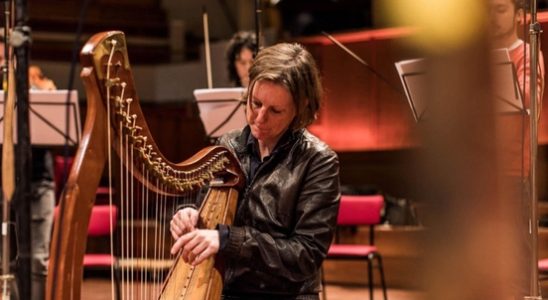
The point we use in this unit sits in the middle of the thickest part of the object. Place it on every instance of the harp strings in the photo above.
(149, 190)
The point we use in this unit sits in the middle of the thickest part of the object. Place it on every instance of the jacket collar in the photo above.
(245, 139)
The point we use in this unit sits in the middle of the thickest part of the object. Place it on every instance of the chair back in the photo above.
(60, 164)
(100, 219)
(360, 210)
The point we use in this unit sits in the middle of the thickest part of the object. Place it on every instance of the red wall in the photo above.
(362, 112)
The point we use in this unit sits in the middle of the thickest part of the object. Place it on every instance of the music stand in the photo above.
(221, 110)
(505, 84)
(412, 74)
(47, 110)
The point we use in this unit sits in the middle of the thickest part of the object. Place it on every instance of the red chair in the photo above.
(543, 268)
(61, 170)
(359, 211)
(100, 226)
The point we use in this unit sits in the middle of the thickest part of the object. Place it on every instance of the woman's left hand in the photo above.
(197, 245)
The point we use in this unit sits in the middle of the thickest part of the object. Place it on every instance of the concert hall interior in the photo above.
(425, 104)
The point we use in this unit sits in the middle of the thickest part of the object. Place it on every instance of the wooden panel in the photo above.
(391, 171)
(176, 128)
(372, 113)
(54, 24)
(147, 3)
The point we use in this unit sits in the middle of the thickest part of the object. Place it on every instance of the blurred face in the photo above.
(243, 62)
(504, 18)
(35, 74)
(270, 111)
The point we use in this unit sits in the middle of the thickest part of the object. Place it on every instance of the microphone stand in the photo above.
(207, 48)
(16, 39)
(534, 33)
(258, 12)
(19, 41)
(8, 168)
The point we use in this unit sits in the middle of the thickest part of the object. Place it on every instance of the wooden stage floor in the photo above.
(99, 289)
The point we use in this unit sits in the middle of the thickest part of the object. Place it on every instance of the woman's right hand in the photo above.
(183, 221)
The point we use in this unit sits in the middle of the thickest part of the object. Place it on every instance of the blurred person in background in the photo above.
(239, 56)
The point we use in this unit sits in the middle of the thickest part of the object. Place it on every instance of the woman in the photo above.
(286, 216)
(240, 53)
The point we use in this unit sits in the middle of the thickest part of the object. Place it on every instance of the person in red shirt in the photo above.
(507, 17)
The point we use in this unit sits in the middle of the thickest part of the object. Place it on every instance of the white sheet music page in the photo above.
(221, 109)
(47, 118)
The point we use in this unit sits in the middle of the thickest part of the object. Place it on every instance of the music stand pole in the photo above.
(8, 165)
(258, 12)
(534, 33)
(20, 43)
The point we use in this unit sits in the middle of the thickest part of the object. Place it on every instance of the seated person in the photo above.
(287, 213)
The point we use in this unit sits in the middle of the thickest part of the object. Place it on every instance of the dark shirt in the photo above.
(252, 147)
(41, 163)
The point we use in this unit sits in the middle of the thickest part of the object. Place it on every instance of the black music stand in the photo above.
(221, 110)
(505, 82)
(47, 118)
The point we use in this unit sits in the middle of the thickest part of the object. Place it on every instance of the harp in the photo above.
(149, 188)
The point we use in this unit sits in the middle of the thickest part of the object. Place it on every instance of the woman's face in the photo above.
(243, 62)
(270, 111)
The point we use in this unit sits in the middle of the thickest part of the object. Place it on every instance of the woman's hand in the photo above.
(183, 221)
(197, 245)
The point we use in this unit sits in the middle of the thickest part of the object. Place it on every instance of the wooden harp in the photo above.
(149, 188)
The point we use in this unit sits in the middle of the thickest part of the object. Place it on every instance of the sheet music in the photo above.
(412, 77)
(505, 83)
(47, 117)
(506, 90)
(221, 105)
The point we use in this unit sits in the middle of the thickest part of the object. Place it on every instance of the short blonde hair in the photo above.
(293, 67)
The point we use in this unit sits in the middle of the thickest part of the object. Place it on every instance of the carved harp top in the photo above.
(115, 123)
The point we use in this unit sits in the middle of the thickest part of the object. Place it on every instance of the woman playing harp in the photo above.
(285, 219)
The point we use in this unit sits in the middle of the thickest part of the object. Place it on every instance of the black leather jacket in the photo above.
(285, 219)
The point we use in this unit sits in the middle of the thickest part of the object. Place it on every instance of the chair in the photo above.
(359, 211)
(100, 226)
(543, 268)
(61, 168)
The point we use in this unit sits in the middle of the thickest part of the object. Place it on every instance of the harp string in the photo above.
(142, 267)
(122, 213)
(109, 164)
(146, 264)
(143, 224)
(163, 206)
(156, 237)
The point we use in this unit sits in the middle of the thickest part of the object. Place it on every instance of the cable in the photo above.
(70, 86)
